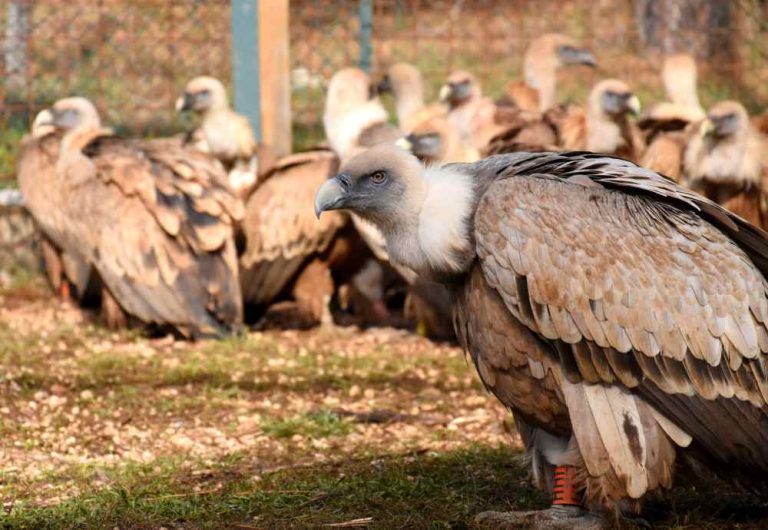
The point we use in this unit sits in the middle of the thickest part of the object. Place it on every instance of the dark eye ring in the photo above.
(378, 177)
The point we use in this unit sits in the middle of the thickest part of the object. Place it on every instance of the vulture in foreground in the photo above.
(543, 58)
(726, 160)
(607, 125)
(667, 125)
(354, 120)
(154, 220)
(225, 134)
(623, 319)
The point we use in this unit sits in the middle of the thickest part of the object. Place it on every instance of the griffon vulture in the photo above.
(726, 161)
(667, 125)
(481, 122)
(287, 253)
(620, 317)
(354, 120)
(543, 58)
(607, 125)
(225, 134)
(431, 135)
(153, 219)
(69, 276)
(405, 83)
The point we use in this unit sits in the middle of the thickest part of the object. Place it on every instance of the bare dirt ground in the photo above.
(285, 429)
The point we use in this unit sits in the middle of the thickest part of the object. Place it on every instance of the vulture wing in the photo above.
(156, 222)
(639, 288)
(280, 226)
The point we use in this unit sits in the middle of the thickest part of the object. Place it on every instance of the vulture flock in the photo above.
(603, 267)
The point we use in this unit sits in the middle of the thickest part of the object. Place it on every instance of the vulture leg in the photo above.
(313, 291)
(113, 315)
(54, 269)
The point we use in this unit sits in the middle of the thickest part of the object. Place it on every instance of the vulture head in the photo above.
(422, 212)
(555, 50)
(613, 99)
(70, 113)
(461, 88)
(725, 121)
(203, 94)
(351, 105)
(545, 56)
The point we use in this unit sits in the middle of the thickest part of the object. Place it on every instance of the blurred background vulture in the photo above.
(225, 134)
(667, 125)
(154, 220)
(607, 124)
(726, 161)
(623, 319)
(543, 58)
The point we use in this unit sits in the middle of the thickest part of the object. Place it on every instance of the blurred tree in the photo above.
(700, 27)
(15, 45)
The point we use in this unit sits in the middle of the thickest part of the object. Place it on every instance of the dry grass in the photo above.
(270, 430)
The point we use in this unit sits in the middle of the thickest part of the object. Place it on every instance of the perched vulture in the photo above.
(607, 125)
(620, 317)
(287, 253)
(430, 134)
(667, 125)
(406, 84)
(354, 117)
(543, 58)
(355, 120)
(726, 161)
(225, 134)
(153, 220)
(481, 122)
(69, 275)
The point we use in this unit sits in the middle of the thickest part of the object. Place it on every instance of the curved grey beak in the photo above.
(329, 196)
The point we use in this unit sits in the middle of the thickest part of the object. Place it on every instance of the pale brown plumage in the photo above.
(667, 126)
(726, 161)
(622, 318)
(406, 84)
(490, 127)
(154, 220)
(606, 125)
(288, 253)
(543, 58)
(224, 133)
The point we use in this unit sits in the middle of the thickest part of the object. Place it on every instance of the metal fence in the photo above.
(132, 57)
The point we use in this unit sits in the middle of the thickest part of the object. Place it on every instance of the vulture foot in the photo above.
(111, 312)
(554, 518)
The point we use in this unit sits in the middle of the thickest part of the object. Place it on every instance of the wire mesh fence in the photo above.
(133, 57)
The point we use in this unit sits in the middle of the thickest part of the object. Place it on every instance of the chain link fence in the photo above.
(133, 57)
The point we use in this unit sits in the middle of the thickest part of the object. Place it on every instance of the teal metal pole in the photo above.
(245, 61)
(365, 14)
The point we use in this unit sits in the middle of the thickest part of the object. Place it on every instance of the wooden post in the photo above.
(274, 46)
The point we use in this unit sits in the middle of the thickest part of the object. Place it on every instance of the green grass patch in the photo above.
(318, 424)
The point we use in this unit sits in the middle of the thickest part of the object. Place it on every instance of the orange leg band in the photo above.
(565, 487)
(64, 291)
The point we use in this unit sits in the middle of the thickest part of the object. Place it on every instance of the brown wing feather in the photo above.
(280, 226)
(640, 269)
(155, 223)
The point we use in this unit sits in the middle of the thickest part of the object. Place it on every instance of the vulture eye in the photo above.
(378, 177)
